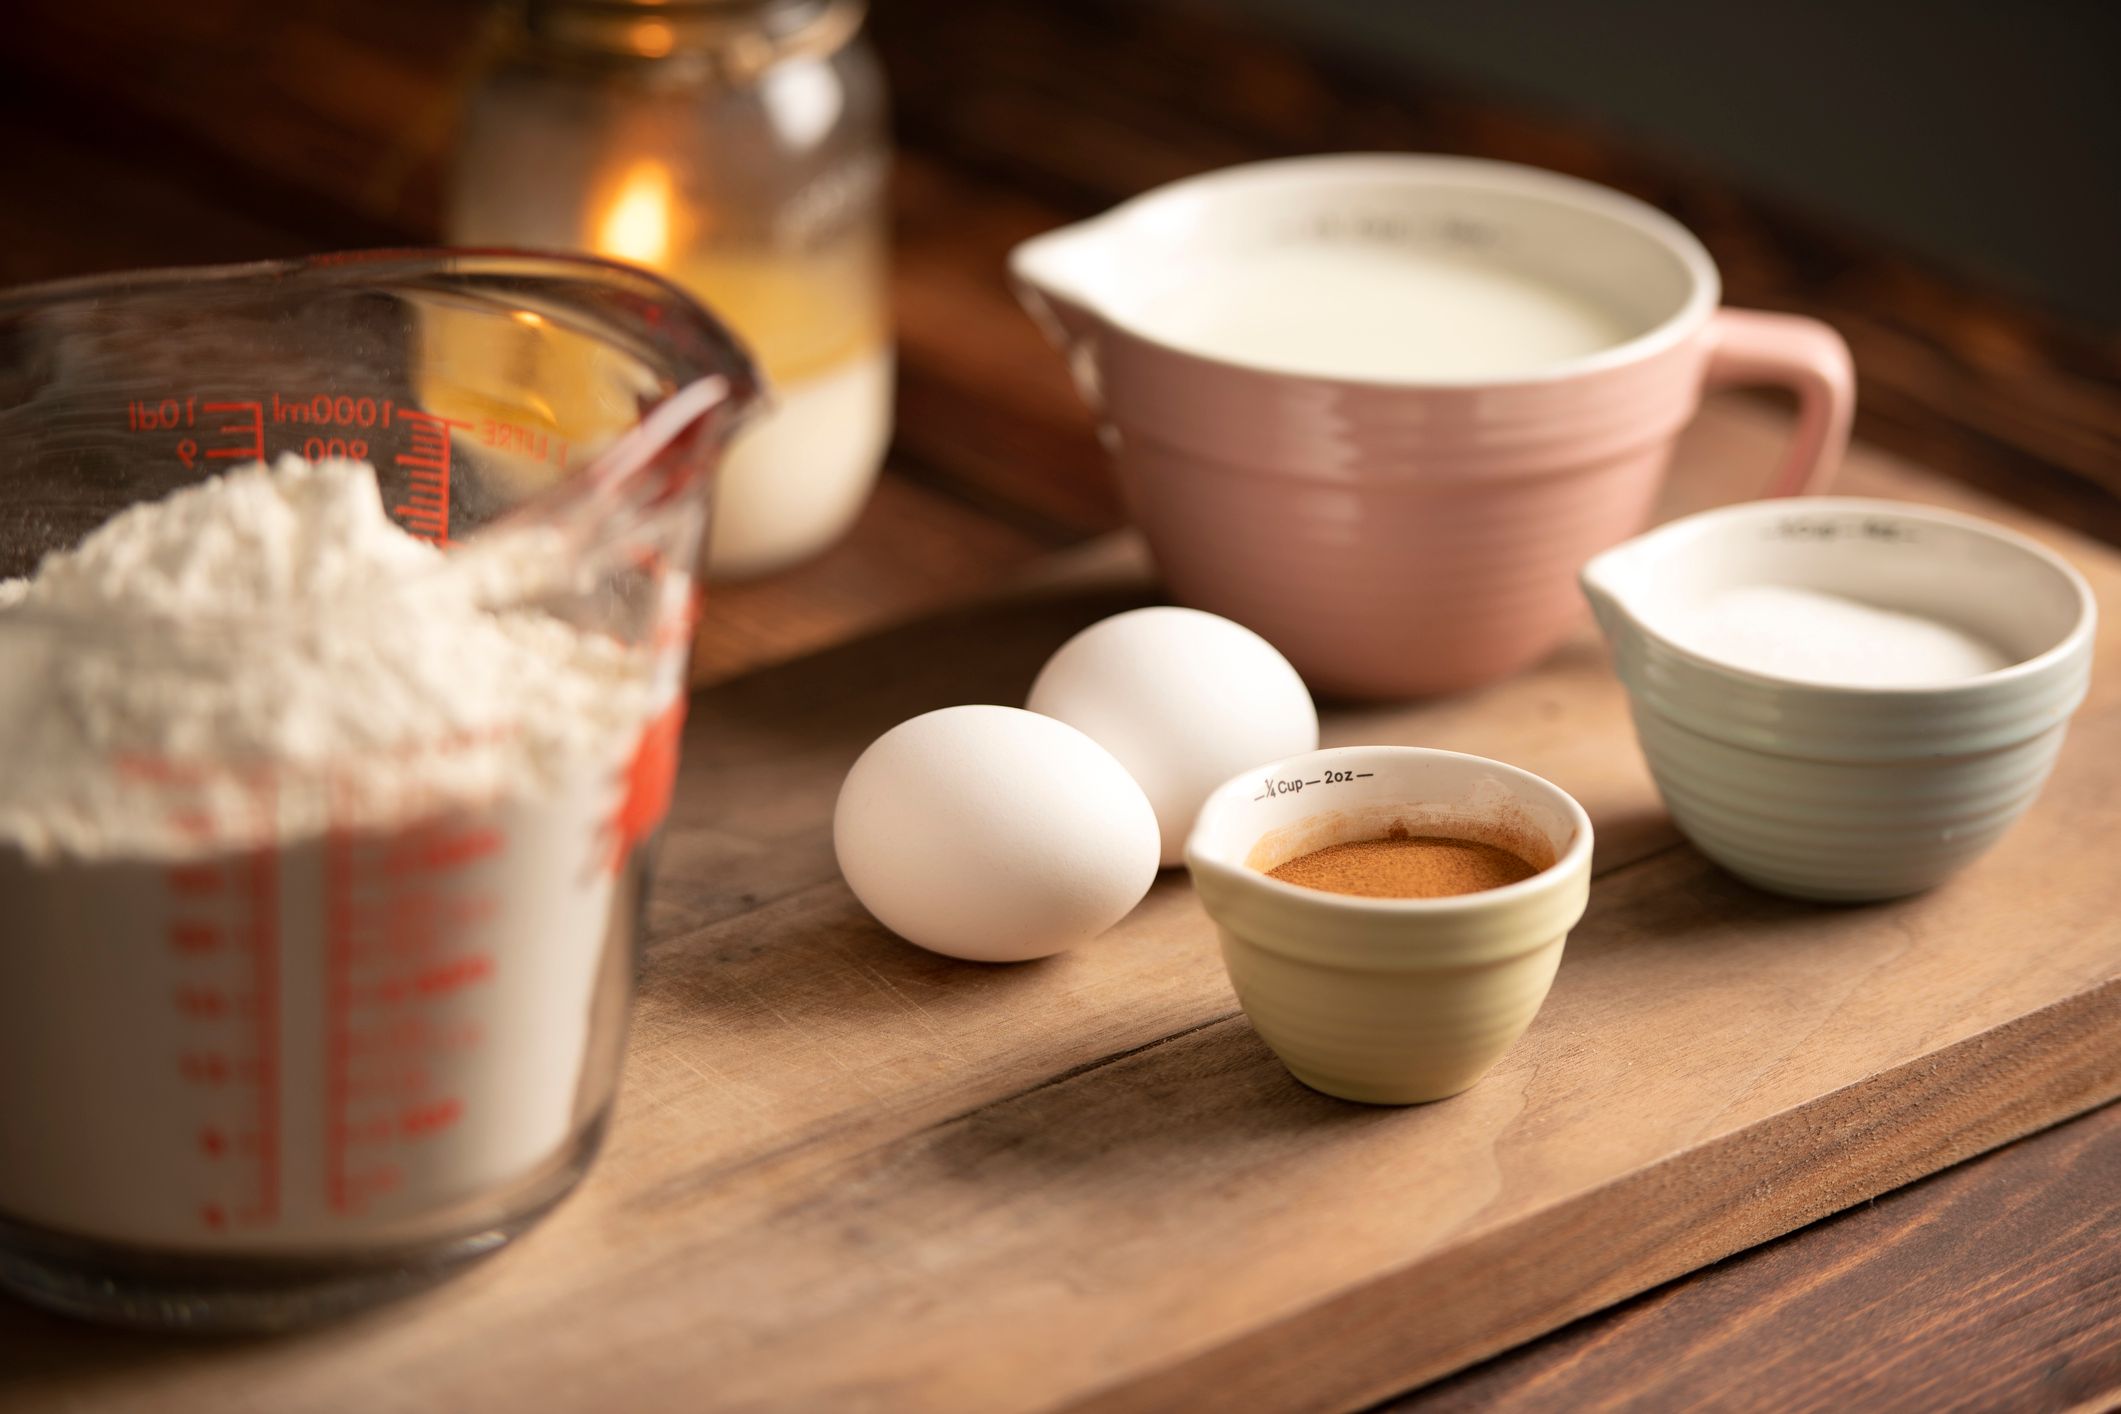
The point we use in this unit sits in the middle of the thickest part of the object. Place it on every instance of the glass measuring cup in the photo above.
(316, 924)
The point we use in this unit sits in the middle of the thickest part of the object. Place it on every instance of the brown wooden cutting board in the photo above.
(848, 1174)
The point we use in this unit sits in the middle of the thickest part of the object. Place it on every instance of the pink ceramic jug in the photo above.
(1401, 534)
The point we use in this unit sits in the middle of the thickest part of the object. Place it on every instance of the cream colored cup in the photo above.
(1389, 1001)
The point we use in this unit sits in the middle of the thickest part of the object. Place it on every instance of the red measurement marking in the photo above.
(426, 461)
(394, 956)
(431, 1118)
(327, 410)
(338, 1054)
(649, 780)
(205, 1067)
(248, 429)
(440, 851)
(450, 976)
(165, 415)
(215, 1143)
(522, 441)
(264, 869)
(431, 983)
(202, 1003)
(194, 824)
(250, 891)
(194, 939)
(193, 880)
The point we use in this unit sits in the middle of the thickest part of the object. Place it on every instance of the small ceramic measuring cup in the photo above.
(1418, 534)
(1389, 1001)
(1847, 793)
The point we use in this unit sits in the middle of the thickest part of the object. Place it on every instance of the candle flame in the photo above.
(637, 226)
(652, 39)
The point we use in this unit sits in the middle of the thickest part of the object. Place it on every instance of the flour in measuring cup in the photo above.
(308, 870)
(349, 641)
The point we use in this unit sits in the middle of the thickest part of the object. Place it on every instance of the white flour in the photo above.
(388, 660)
(1823, 638)
(307, 870)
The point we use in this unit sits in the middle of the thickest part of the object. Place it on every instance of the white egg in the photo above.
(993, 834)
(1185, 700)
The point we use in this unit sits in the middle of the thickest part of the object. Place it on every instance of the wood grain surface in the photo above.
(125, 150)
(1990, 1286)
(846, 1173)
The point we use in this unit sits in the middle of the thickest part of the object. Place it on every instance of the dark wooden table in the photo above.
(144, 134)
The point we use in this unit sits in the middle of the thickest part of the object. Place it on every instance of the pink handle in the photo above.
(1749, 347)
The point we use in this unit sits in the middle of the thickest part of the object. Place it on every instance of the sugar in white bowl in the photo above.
(1845, 699)
(1808, 635)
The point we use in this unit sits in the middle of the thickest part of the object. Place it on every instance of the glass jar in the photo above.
(740, 147)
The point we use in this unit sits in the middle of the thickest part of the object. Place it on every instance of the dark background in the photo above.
(1978, 137)
(1983, 135)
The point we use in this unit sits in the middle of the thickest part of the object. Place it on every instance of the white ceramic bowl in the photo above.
(1389, 1001)
(1847, 793)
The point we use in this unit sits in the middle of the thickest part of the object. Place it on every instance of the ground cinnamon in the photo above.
(1404, 865)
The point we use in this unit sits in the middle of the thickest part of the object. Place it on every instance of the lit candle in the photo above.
(636, 226)
(797, 477)
(740, 151)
